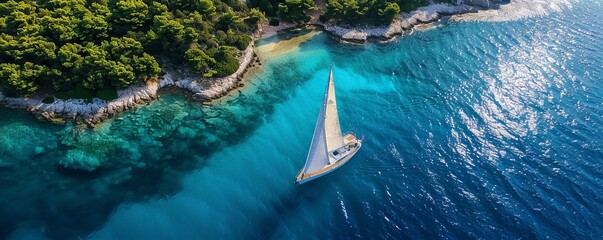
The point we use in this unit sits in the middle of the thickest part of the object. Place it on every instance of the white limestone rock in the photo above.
(483, 3)
(399, 26)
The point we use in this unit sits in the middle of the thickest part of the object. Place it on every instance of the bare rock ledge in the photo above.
(407, 21)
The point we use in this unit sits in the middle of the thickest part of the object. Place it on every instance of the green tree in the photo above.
(226, 62)
(18, 16)
(70, 56)
(199, 61)
(128, 14)
(145, 66)
(95, 67)
(390, 11)
(19, 80)
(122, 47)
(205, 7)
(157, 8)
(72, 62)
(100, 8)
(195, 20)
(34, 49)
(255, 16)
(92, 27)
(60, 29)
(120, 75)
(294, 10)
(80, 46)
(226, 20)
(168, 30)
(365, 11)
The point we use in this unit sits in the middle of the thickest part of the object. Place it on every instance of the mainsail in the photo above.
(332, 128)
(327, 133)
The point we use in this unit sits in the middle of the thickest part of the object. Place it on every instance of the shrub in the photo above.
(242, 42)
(389, 13)
(227, 66)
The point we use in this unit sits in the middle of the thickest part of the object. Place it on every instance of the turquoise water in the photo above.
(472, 130)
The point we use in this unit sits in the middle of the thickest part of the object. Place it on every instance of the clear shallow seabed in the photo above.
(472, 130)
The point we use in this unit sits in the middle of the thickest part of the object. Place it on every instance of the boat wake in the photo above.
(516, 10)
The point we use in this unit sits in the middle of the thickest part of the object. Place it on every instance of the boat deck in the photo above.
(351, 145)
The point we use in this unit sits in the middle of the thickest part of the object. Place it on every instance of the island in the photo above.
(88, 60)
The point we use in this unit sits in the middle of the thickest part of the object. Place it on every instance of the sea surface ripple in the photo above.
(472, 130)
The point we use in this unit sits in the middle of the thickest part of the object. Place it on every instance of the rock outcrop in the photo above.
(407, 21)
(483, 3)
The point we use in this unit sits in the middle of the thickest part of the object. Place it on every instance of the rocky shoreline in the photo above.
(99, 110)
(405, 24)
(204, 89)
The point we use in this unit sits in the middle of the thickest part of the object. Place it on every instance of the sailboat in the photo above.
(329, 149)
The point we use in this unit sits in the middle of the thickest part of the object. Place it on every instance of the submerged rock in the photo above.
(199, 97)
(21, 142)
(39, 150)
(77, 159)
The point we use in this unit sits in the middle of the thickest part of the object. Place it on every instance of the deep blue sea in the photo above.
(473, 130)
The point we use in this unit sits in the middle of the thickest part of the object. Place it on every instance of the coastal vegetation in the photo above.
(376, 12)
(91, 48)
(353, 12)
(288, 10)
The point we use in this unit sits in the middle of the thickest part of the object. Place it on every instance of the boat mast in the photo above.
(318, 147)
(332, 126)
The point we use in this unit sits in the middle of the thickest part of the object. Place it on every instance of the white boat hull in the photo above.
(329, 168)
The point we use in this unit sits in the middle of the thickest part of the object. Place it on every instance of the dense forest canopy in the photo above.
(345, 11)
(288, 10)
(352, 11)
(96, 45)
(87, 48)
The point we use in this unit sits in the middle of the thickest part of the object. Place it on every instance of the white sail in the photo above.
(317, 156)
(326, 139)
(332, 128)
(327, 133)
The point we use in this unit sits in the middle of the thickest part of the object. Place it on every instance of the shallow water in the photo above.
(472, 130)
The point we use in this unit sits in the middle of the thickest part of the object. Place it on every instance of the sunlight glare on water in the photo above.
(472, 130)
